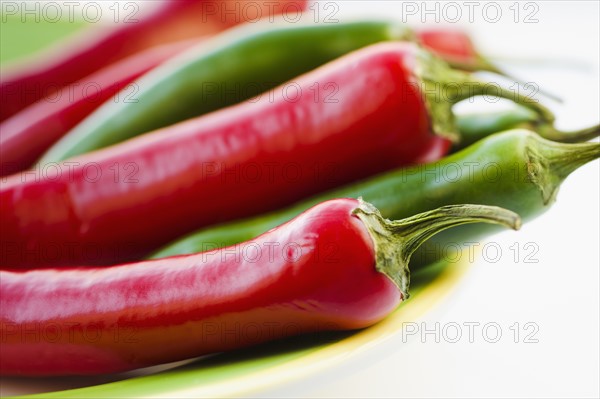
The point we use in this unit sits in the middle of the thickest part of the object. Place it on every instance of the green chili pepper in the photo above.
(517, 170)
(478, 125)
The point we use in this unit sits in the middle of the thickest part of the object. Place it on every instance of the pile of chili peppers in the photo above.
(251, 180)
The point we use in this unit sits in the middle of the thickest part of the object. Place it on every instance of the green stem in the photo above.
(520, 82)
(443, 87)
(559, 158)
(482, 64)
(547, 163)
(577, 136)
(476, 126)
(466, 86)
(395, 241)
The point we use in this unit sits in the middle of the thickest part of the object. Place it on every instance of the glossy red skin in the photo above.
(272, 152)
(316, 272)
(101, 45)
(451, 45)
(28, 134)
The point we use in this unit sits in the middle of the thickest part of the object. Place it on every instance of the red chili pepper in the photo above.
(338, 266)
(28, 134)
(454, 46)
(98, 47)
(359, 115)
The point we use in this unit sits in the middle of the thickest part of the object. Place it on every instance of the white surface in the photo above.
(560, 293)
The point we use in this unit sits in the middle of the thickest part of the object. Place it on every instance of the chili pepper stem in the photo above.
(433, 72)
(395, 241)
(577, 136)
(474, 127)
(443, 87)
(469, 87)
(482, 64)
(549, 163)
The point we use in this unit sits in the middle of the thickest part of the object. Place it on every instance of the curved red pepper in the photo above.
(180, 308)
(162, 22)
(359, 115)
(28, 134)
(324, 270)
